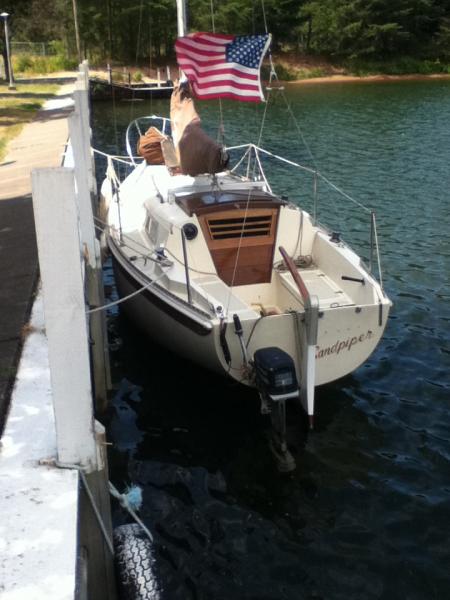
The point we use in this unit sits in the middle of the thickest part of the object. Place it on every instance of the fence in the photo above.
(33, 48)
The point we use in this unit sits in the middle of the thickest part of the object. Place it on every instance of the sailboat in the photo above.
(222, 271)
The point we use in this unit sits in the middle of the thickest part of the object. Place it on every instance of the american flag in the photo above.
(223, 66)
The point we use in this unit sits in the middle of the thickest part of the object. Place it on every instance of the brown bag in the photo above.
(149, 146)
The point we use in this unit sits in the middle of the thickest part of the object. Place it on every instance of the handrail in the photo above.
(317, 175)
(122, 159)
(296, 276)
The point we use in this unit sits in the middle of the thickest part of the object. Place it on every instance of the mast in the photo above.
(181, 17)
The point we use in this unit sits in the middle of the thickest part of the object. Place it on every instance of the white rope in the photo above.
(122, 498)
(111, 174)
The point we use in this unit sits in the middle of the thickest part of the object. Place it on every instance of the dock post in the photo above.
(60, 267)
(167, 73)
(158, 76)
(84, 70)
(80, 135)
(80, 441)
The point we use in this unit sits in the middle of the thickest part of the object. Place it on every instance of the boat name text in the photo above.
(339, 346)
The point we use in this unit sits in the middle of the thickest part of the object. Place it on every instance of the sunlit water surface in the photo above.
(367, 512)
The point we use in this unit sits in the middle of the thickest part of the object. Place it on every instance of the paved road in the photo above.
(40, 144)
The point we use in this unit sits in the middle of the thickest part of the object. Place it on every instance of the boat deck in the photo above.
(330, 295)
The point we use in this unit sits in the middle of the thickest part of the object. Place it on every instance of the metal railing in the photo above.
(254, 169)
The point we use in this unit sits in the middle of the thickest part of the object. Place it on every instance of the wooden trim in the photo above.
(295, 275)
(254, 250)
(206, 221)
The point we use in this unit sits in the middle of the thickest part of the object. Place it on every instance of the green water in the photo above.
(367, 512)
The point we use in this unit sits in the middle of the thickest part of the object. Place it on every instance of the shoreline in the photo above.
(339, 78)
(330, 78)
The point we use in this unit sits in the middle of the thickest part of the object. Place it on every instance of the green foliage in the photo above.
(41, 65)
(137, 76)
(286, 73)
(364, 32)
(441, 39)
(371, 28)
(402, 66)
(312, 73)
(22, 63)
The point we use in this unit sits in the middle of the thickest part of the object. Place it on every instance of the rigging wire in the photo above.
(141, 7)
(221, 128)
(125, 298)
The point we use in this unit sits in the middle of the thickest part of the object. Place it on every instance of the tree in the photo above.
(371, 28)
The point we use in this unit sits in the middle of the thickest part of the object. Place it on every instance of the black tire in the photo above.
(135, 564)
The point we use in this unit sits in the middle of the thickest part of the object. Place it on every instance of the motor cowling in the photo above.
(275, 373)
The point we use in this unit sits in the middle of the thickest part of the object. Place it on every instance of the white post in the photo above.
(167, 73)
(60, 261)
(11, 85)
(82, 159)
(83, 162)
(84, 70)
(81, 98)
(181, 17)
(158, 76)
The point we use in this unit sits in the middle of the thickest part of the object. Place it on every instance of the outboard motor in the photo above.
(276, 380)
(275, 374)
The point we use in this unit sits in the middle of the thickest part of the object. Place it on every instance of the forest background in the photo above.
(356, 36)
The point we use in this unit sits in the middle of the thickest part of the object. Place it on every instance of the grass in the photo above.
(18, 107)
(41, 65)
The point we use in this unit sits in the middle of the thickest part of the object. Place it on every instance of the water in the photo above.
(367, 512)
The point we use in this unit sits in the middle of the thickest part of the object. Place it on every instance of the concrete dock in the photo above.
(55, 531)
(40, 144)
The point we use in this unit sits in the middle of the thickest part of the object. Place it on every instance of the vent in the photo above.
(225, 229)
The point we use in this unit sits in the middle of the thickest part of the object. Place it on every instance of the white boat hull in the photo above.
(347, 335)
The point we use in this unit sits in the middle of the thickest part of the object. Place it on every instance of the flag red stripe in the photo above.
(219, 36)
(218, 45)
(231, 83)
(213, 66)
(225, 71)
(195, 50)
(203, 68)
(213, 96)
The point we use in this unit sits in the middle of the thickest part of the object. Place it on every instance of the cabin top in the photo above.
(201, 203)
